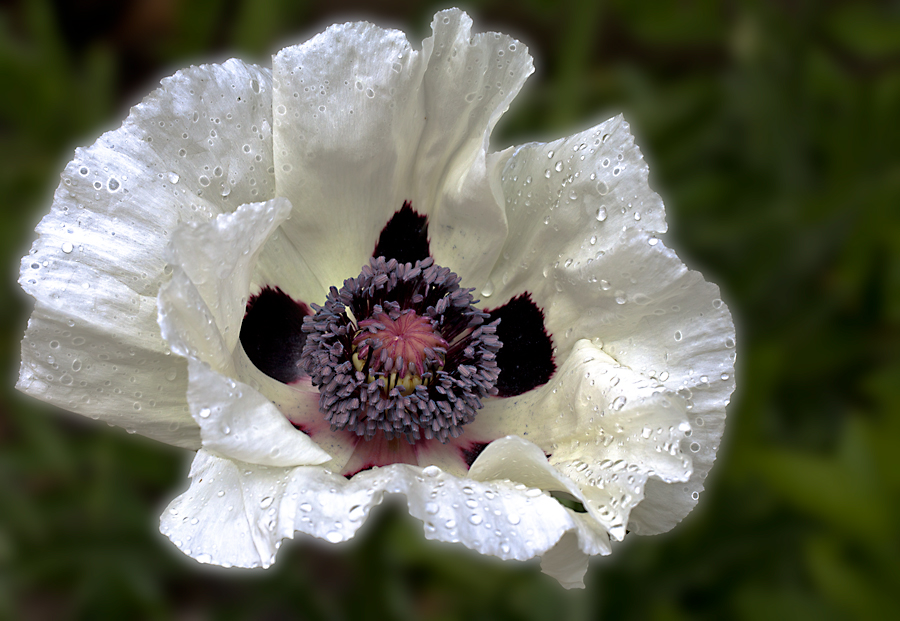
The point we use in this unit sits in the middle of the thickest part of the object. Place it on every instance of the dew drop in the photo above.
(174, 178)
(431, 471)
(488, 289)
(475, 519)
(266, 502)
(205, 412)
(678, 335)
(601, 214)
(618, 403)
(67, 247)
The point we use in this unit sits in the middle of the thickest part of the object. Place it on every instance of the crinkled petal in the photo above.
(239, 423)
(99, 261)
(595, 267)
(566, 214)
(238, 514)
(219, 258)
(299, 404)
(468, 84)
(232, 513)
(200, 312)
(606, 428)
(519, 460)
(363, 123)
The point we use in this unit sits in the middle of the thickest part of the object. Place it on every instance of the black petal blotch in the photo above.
(272, 336)
(404, 237)
(526, 358)
(471, 452)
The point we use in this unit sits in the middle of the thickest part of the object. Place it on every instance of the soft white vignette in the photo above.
(578, 211)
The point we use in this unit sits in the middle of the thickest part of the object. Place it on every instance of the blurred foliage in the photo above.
(771, 129)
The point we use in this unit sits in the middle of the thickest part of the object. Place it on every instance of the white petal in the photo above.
(363, 123)
(343, 141)
(232, 515)
(99, 262)
(298, 402)
(219, 257)
(565, 212)
(239, 423)
(566, 562)
(200, 312)
(606, 428)
(615, 283)
(468, 85)
(260, 506)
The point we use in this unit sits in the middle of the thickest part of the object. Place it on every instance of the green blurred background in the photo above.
(771, 130)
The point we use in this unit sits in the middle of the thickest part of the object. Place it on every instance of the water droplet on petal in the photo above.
(431, 471)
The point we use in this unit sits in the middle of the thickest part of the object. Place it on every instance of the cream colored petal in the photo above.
(363, 123)
(93, 345)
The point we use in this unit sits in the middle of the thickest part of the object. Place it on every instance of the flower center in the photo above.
(401, 349)
(405, 347)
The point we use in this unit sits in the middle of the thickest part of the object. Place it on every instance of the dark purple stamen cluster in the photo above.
(361, 393)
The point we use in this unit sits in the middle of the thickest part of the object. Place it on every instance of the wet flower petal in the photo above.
(251, 509)
(93, 345)
(363, 123)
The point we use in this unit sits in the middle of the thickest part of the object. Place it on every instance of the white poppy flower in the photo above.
(304, 240)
